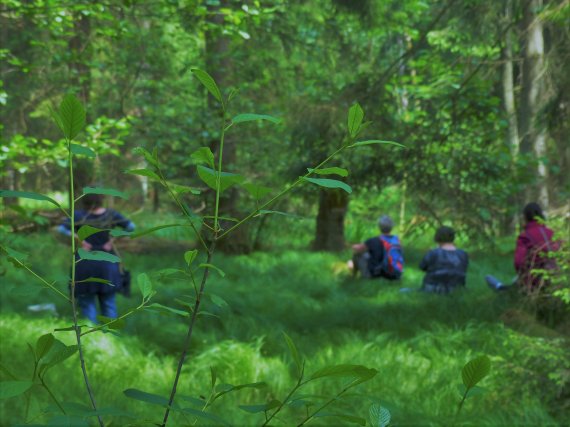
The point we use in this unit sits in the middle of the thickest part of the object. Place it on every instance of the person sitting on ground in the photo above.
(445, 266)
(532, 246)
(379, 256)
(105, 219)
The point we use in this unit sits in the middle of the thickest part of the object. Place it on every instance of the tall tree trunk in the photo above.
(511, 113)
(329, 236)
(220, 66)
(533, 126)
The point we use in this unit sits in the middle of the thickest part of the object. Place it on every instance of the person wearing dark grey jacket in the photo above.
(445, 266)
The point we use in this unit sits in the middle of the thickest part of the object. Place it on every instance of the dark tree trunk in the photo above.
(220, 66)
(329, 236)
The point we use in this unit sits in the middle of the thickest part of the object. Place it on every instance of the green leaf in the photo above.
(150, 158)
(227, 179)
(120, 233)
(212, 266)
(10, 389)
(86, 230)
(167, 310)
(57, 354)
(228, 388)
(329, 171)
(206, 416)
(355, 116)
(97, 256)
(71, 116)
(105, 191)
(96, 280)
(208, 83)
(144, 172)
(143, 396)
(218, 301)
(346, 417)
(260, 408)
(82, 151)
(181, 189)
(145, 232)
(43, 345)
(111, 323)
(357, 371)
(203, 155)
(145, 285)
(375, 141)
(28, 195)
(257, 191)
(190, 256)
(379, 416)
(294, 353)
(241, 118)
(330, 183)
(475, 370)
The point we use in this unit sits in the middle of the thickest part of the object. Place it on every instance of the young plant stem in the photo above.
(51, 394)
(284, 402)
(281, 193)
(210, 251)
(73, 302)
(186, 345)
(460, 406)
(310, 417)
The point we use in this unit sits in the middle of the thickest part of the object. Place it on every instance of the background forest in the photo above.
(478, 92)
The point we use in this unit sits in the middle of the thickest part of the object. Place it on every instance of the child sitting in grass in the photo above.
(445, 266)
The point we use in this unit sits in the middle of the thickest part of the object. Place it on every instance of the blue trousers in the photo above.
(88, 307)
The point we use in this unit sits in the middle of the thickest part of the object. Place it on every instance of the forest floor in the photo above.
(418, 343)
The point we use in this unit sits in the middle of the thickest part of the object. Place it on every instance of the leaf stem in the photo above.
(284, 402)
(40, 278)
(219, 174)
(51, 394)
(99, 327)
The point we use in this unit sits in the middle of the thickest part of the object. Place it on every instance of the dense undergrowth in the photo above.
(418, 342)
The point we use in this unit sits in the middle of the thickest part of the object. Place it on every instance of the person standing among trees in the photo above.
(445, 266)
(95, 215)
(379, 256)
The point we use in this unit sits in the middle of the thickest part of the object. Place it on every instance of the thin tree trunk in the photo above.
(533, 126)
(511, 217)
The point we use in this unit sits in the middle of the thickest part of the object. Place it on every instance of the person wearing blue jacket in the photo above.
(86, 292)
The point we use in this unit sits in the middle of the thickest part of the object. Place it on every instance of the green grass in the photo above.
(417, 342)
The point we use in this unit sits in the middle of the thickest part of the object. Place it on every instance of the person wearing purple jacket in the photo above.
(531, 251)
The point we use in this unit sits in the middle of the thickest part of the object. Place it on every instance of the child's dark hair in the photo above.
(92, 201)
(445, 235)
(531, 211)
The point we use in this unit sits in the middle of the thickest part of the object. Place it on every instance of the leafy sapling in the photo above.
(472, 373)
